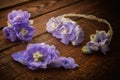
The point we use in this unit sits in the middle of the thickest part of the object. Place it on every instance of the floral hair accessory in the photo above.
(99, 41)
(66, 30)
(19, 28)
(41, 55)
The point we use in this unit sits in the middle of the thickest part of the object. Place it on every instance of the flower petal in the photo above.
(19, 56)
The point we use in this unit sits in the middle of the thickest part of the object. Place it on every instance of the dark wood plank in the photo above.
(8, 3)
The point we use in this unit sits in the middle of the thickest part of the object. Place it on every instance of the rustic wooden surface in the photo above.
(91, 67)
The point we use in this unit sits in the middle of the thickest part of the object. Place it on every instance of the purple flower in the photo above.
(79, 36)
(9, 33)
(41, 55)
(19, 28)
(23, 31)
(18, 16)
(99, 36)
(37, 55)
(90, 47)
(94, 46)
(66, 30)
(53, 24)
(19, 56)
(67, 63)
(104, 46)
(99, 42)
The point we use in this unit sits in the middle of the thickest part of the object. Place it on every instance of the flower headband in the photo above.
(41, 55)
(68, 31)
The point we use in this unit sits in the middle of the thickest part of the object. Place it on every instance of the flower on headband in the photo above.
(67, 63)
(41, 55)
(66, 30)
(19, 28)
(104, 46)
(99, 36)
(79, 36)
(99, 42)
(18, 16)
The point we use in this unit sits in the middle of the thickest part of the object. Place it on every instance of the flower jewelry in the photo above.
(66, 30)
(19, 28)
(41, 55)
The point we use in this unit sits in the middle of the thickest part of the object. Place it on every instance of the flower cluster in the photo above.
(41, 55)
(99, 42)
(66, 30)
(19, 28)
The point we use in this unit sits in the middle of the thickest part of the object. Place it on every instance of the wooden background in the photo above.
(91, 67)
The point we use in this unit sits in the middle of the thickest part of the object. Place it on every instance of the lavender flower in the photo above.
(18, 28)
(41, 55)
(23, 31)
(99, 42)
(67, 63)
(18, 16)
(99, 36)
(9, 33)
(79, 36)
(66, 30)
(37, 55)
(104, 46)
(53, 24)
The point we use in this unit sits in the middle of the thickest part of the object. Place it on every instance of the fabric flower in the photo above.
(99, 36)
(65, 29)
(19, 28)
(99, 42)
(104, 46)
(79, 36)
(67, 63)
(9, 33)
(41, 55)
(37, 55)
(18, 16)
(53, 24)
(23, 31)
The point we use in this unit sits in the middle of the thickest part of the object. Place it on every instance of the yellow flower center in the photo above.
(23, 31)
(54, 25)
(37, 56)
(64, 31)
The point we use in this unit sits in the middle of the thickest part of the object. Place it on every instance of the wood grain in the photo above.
(8, 3)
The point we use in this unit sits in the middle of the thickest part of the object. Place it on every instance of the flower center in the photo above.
(23, 31)
(64, 31)
(37, 56)
(54, 25)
